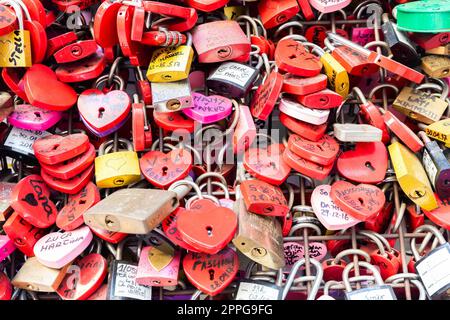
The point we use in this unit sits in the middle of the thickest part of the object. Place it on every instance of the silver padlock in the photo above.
(171, 96)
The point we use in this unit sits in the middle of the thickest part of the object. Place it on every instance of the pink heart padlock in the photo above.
(328, 213)
(208, 109)
(294, 251)
(327, 6)
(57, 249)
(6, 247)
(26, 116)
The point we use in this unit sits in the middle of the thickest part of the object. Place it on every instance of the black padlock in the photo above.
(403, 50)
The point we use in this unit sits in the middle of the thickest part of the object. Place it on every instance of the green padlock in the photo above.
(429, 16)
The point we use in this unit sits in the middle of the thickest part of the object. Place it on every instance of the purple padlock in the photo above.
(208, 109)
(6, 247)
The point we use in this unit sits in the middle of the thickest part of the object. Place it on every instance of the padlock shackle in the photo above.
(248, 20)
(349, 252)
(293, 273)
(211, 175)
(291, 25)
(304, 225)
(382, 86)
(291, 194)
(358, 7)
(431, 230)
(351, 265)
(360, 95)
(217, 184)
(186, 183)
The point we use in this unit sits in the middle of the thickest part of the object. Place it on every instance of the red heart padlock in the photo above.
(104, 111)
(306, 167)
(162, 169)
(208, 230)
(172, 121)
(361, 201)
(56, 148)
(57, 42)
(13, 78)
(379, 222)
(83, 277)
(138, 123)
(324, 99)
(61, 96)
(30, 199)
(71, 215)
(105, 24)
(72, 167)
(263, 198)
(267, 164)
(5, 287)
(75, 51)
(366, 164)
(206, 5)
(109, 236)
(323, 151)
(405, 134)
(304, 129)
(37, 11)
(87, 69)
(302, 86)
(440, 215)
(170, 228)
(8, 20)
(38, 39)
(211, 273)
(266, 96)
(372, 116)
(71, 186)
(291, 56)
(276, 12)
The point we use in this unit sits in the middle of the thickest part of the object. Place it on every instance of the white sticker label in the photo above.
(22, 140)
(434, 270)
(233, 72)
(374, 293)
(256, 291)
(430, 168)
(126, 285)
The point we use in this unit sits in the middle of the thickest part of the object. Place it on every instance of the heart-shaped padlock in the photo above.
(6, 247)
(294, 251)
(211, 273)
(71, 215)
(103, 111)
(37, 81)
(322, 151)
(56, 148)
(267, 164)
(71, 186)
(266, 96)
(208, 109)
(293, 57)
(326, 6)
(440, 215)
(170, 228)
(109, 236)
(57, 249)
(328, 213)
(304, 129)
(306, 167)
(83, 278)
(29, 117)
(30, 199)
(172, 121)
(361, 201)
(366, 164)
(263, 198)
(208, 230)
(162, 169)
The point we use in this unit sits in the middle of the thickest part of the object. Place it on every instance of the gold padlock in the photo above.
(132, 210)
(440, 130)
(232, 12)
(15, 47)
(421, 106)
(436, 66)
(412, 176)
(337, 75)
(172, 63)
(442, 50)
(34, 276)
(116, 169)
(259, 237)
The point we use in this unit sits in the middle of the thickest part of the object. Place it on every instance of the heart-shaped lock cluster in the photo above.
(246, 150)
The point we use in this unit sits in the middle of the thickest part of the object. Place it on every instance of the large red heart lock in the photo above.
(293, 57)
(83, 278)
(37, 81)
(361, 201)
(211, 274)
(105, 24)
(162, 169)
(304, 129)
(104, 111)
(172, 121)
(440, 215)
(8, 21)
(366, 164)
(71, 186)
(170, 228)
(263, 198)
(56, 148)
(306, 167)
(322, 151)
(266, 96)
(267, 164)
(30, 199)
(208, 230)
(71, 215)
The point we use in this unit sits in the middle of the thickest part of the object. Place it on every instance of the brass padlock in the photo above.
(135, 211)
(421, 106)
(436, 66)
(116, 169)
(439, 130)
(34, 276)
(171, 63)
(442, 50)
(259, 237)
(412, 176)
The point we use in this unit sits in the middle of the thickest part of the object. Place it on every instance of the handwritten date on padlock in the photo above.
(263, 198)
(291, 56)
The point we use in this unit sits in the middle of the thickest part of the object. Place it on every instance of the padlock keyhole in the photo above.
(292, 56)
(164, 171)
(56, 146)
(209, 231)
(82, 202)
(101, 110)
(37, 114)
(320, 147)
(446, 182)
(211, 274)
(361, 201)
(369, 165)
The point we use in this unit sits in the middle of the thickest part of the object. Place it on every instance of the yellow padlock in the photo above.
(116, 169)
(442, 50)
(436, 66)
(171, 64)
(232, 12)
(420, 105)
(439, 130)
(15, 47)
(412, 176)
(336, 73)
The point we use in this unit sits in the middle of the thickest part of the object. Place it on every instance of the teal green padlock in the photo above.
(428, 16)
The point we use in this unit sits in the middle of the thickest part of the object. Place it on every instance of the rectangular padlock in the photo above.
(296, 110)
(351, 132)
(136, 211)
(440, 131)
(436, 66)
(171, 96)
(245, 131)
